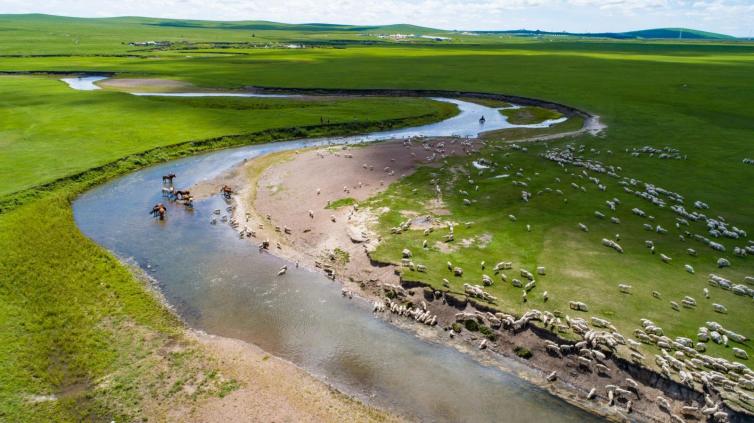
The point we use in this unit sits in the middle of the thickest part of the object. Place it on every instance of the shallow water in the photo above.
(198, 94)
(84, 83)
(223, 285)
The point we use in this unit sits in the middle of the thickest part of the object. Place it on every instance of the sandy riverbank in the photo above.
(271, 390)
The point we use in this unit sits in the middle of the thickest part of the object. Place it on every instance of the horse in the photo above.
(168, 178)
(226, 191)
(189, 201)
(482, 120)
(159, 210)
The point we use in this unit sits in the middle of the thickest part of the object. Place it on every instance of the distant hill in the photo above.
(305, 27)
(657, 33)
(684, 33)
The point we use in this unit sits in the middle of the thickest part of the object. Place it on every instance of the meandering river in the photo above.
(222, 285)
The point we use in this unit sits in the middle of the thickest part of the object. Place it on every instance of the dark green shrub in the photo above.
(487, 332)
(522, 352)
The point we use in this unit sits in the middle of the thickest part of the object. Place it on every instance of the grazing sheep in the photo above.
(689, 268)
(663, 404)
(612, 244)
(739, 353)
(624, 288)
(583, 227)
(578, 306)
(722, 262)
(486, 280)
(665, 258)
(719, 308)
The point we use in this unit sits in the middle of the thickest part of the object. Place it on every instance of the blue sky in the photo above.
(735, 17)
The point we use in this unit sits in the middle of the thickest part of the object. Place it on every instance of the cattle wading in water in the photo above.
(182, 195)
(159, 210)
(168, 179)
(226, 191)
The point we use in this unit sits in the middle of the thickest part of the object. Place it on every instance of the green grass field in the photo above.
(67, 306)
(71, 131)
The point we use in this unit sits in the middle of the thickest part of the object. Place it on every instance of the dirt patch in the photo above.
(144, 84)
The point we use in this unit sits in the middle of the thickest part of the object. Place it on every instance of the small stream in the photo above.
(222, 285)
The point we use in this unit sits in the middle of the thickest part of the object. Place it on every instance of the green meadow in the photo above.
(71, 314)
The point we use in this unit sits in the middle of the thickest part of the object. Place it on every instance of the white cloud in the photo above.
(573, 15)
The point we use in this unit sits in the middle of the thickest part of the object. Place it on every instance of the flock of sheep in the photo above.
(680, 358)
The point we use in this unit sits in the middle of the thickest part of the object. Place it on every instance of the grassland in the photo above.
(65, 133)
(67, 306)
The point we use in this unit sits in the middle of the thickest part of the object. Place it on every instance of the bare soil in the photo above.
(144, 84)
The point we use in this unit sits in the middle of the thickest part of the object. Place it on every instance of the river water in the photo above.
(222, 285)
